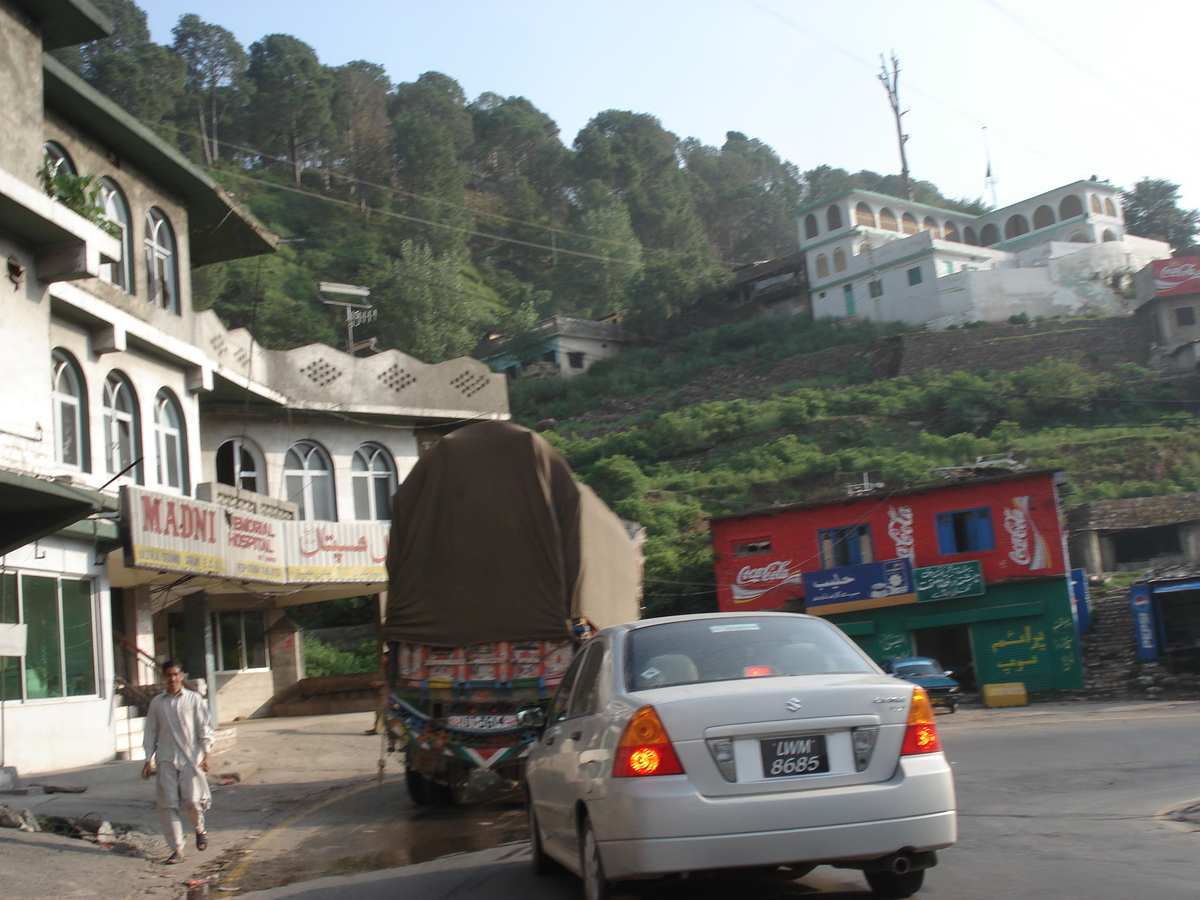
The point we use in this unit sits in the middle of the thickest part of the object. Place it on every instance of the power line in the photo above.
(928, 95)
(395, 215)
(400, 192)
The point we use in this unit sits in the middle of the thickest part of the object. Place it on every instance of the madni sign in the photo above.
(945, 582)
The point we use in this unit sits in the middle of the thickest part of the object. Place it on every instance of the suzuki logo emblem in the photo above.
(794, 704)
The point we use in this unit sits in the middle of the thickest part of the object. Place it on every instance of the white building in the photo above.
(562, 348)
(113, 381)
(1062, 253)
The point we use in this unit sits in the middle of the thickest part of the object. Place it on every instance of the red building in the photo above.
(973, 572)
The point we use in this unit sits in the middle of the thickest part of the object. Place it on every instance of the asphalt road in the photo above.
(1054, 802)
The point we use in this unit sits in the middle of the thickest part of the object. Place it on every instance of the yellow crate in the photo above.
(1012, 694)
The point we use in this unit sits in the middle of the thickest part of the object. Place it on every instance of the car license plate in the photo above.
(802, 754)
(483, 723)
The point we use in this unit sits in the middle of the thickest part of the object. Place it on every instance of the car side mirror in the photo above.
(948, 672)
(532, 717)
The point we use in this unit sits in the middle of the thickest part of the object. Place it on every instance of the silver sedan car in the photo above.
(722, 741)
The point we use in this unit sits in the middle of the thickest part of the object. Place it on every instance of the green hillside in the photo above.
(671, 433)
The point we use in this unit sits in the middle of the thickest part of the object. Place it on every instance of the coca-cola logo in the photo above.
(1182, 270)
(776, 571)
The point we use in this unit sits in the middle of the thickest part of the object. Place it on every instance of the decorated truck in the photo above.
(499, 564)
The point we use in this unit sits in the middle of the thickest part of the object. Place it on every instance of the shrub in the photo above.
(322, 659)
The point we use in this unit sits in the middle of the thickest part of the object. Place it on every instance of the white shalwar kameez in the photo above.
(179, 733)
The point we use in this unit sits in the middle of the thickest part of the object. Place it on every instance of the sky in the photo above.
(1055, 90)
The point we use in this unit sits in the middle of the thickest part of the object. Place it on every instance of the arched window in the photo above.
(239, 465)
(887, 220)
(308, 481)
(930, 225)
(1109, 209)
(373, 472)
(810, 226)
(57, 159)
(864, 216)
(122, 430)
(1094, 202)
(1109, 235)
(908, 224)
(1016, 226)
(1069, 207)
(162, 272)
(950, 232)
(70, 413)
(989, 235)
(170, 442)
(112, 202)
(839, 260)
(833, 217)
(1043, 217)
(822, 266)
(969, 236)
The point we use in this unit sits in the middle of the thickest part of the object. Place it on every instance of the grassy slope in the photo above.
(672, 433)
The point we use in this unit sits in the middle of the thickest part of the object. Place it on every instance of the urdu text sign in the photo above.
(945, 582)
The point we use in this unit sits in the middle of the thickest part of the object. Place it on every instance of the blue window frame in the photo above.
(965, 531)
(848, 546)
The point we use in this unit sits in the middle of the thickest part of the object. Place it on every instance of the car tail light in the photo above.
(645, 749)
(921, 735)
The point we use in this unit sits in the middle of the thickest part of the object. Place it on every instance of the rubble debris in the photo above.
(23, 819)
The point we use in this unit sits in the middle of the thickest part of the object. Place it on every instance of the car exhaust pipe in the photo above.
(899, 863)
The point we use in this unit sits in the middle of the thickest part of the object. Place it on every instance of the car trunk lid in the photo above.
(785, 733)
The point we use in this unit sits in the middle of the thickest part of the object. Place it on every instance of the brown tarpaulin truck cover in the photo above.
(493, 540)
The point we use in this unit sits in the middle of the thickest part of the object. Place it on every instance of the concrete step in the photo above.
(130, 726)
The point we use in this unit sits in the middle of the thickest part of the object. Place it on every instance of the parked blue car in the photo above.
(929, 674)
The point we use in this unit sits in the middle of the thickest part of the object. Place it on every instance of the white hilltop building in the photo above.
(1062, 253)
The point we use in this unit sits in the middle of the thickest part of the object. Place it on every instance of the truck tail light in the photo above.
(645, 749)
(921, 735)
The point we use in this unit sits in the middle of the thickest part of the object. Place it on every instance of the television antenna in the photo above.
(356, 313)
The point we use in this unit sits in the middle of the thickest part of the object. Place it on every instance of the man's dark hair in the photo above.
(172, 664)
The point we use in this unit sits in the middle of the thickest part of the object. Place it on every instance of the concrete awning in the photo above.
(32, 508)
(227, 593)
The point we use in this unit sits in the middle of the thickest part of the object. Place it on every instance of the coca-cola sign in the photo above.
(1177, 276)
(754, 581)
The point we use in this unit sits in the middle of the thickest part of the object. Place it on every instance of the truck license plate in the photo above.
(802, 754)
(483, 722)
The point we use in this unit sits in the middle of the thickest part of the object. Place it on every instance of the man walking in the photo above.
(180, 734)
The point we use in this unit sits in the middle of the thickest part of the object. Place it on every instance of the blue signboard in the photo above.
(1080, 602)
(871, 585)
(1143, 621)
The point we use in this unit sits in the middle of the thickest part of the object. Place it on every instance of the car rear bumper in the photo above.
(860, 840)
(657, 826)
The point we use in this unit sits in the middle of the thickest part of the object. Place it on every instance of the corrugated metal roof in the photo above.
(1134, 512)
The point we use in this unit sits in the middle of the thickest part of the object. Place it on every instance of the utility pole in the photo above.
(890, 81)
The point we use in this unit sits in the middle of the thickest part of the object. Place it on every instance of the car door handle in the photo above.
(576, 735)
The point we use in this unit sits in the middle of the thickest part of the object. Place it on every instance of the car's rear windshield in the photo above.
(725, 649)
(917, 668)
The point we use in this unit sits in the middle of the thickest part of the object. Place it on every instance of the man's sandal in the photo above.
(201, 840)
(174, 858)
